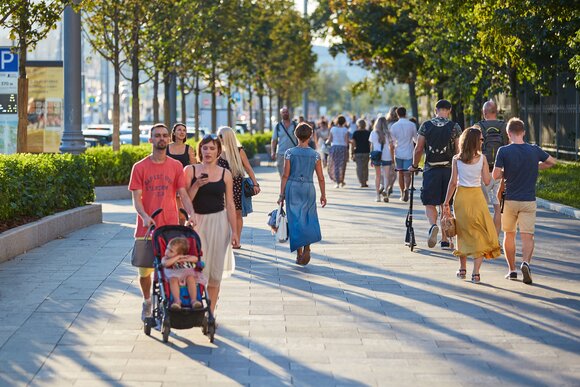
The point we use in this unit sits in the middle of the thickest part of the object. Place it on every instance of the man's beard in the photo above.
(161, 145)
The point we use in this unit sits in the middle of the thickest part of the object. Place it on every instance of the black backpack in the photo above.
(493, 138)
(440, 148)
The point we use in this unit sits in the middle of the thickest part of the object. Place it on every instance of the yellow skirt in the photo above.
(476, 235)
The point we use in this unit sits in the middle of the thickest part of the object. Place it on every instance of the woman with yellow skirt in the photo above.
(476, 235)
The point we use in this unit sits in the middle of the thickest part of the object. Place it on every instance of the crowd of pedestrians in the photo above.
(463, 172)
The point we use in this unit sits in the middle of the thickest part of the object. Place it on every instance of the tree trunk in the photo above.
(135, 113)
(213, 99)
(250, 106)
(270, 95)
(196, 107)
(261, 122)
(116, 99)
(166, 92)
(183, 95)
(413, 97)
(22, 131)
(515, 106)
(156, 97)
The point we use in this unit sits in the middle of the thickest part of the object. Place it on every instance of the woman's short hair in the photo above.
(206, 140)
(360, 123)
(177, 125)
(303, 131)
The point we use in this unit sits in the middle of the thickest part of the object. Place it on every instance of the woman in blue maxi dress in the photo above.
(297, 190)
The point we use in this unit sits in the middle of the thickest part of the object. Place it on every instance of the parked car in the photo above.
(126, 136)
(242, 128)
(98, 134)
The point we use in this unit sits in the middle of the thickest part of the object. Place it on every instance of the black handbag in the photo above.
(248, 187)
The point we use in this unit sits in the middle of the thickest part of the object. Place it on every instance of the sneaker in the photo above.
(433, 236)
(526, 272)
(175, 307)
(146, 311)
(386, 199)
(512, 275)
(381, 189)
(337, 186)
(342, 184)
(406, 195)
(378, 199)
(445, 245)
(389, 191)
(402, 198)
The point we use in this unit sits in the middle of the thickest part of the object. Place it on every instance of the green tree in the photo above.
(28, 22)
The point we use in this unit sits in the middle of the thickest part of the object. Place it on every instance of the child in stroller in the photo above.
(179, 269)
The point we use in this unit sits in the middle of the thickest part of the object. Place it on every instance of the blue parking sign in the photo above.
(8, 60)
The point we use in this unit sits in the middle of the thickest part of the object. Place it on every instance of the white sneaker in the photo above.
(432, 241)
(146, 312)
(378, 199)
(337, 186)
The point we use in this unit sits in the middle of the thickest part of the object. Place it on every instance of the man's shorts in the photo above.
(142, 257)
(490, 191)
(519, 214)
(280, 163)
(403, 163)
(435, 182)
(382, 163)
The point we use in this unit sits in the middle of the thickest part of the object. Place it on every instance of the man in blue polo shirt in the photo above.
(518, 164)
(283, 138)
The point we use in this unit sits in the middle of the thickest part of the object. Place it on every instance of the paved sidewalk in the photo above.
(366, 311)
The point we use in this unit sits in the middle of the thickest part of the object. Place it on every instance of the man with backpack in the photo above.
(439, 139)
(494, 136)
(283, 139)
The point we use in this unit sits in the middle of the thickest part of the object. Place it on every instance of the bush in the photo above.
(262, 139)
(39, 185)
(560, 184)
(249, 143)
(114, 168)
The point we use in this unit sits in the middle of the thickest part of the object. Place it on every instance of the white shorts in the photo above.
(490, 191)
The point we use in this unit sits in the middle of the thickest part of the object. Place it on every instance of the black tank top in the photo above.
(211, 197)
(183, 158)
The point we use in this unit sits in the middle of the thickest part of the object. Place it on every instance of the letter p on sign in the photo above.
(8, 60)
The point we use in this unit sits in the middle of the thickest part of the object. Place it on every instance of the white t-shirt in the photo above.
(338, 133)
(374, 140)
(404, 132)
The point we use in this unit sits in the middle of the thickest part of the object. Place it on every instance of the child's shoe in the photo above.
(175, 306)
(197, 305)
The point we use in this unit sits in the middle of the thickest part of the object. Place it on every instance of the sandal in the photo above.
(475, 278)
(306, 255)
(461, 273)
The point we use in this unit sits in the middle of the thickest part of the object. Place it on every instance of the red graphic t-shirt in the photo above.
(159, 184)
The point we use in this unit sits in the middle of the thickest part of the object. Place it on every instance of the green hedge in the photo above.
(114, 168)
(254, 143)
(39, 185)
(560, 184)
(262, 139)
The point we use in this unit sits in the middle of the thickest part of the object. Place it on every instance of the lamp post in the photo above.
(72, 137)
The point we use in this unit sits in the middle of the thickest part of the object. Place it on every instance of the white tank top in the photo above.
(469, 175)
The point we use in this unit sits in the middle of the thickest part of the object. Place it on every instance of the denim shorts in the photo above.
(403, 163)
(435, 182)
(382, 163)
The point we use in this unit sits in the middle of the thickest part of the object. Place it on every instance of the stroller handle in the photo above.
(153, 215)
(406, 170)
(184, 213)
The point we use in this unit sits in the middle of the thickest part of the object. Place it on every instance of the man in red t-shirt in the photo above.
(155, 182)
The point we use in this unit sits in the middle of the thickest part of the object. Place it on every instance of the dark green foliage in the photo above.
(114, 168)
(40, 185)
(249, 143)
(262, 139)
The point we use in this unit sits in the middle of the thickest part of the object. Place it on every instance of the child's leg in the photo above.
(174, 288)
(191, 288)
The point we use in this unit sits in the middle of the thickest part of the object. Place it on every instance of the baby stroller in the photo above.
(187, 317)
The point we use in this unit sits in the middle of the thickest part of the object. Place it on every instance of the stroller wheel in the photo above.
(211, 332)
(165, 330)
(204, 325)
(147, 329)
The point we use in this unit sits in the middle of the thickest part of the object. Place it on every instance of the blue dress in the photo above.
(303, 225)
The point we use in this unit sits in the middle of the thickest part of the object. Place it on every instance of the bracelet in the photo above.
(256, 185)
(415, 166)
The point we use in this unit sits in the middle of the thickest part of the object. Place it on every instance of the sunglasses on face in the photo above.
(210, 136)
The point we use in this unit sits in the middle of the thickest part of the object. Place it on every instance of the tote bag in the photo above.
(281, 225)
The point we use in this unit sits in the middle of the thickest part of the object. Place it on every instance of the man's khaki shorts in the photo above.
(519, 214)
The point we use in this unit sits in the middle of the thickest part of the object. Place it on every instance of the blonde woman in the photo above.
(382, 147)
(234, 158)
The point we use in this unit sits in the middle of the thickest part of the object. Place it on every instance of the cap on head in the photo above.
(443, 104)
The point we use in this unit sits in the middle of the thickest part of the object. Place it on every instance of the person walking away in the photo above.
(360, 152)
(494, 137)
(518, 165)
(392, 118)
(322, 133)
(439, 139)
(154, 183)
(283, 138)
(297, 191)
(352, 126)
(404, 134)
(181, 152)
(234, 159)
(211, 190)
(338, 155)
(382, 141)
(476, 235)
